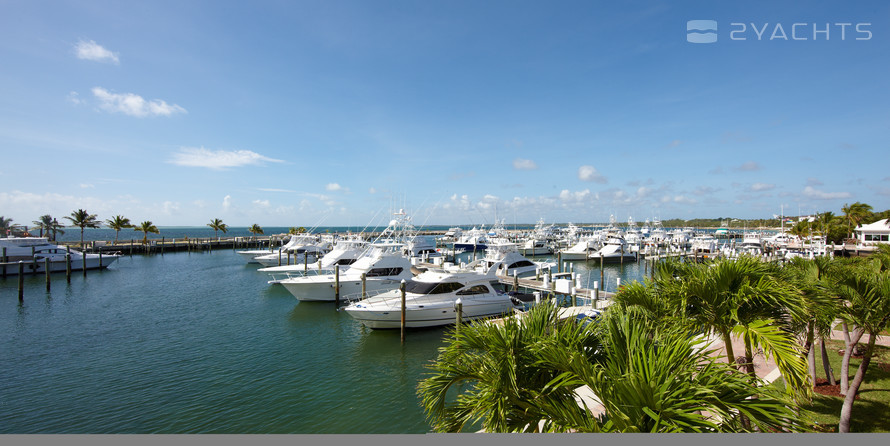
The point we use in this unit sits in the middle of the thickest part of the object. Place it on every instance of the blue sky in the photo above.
(297, 113)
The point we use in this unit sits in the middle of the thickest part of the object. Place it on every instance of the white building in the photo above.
(874, 233)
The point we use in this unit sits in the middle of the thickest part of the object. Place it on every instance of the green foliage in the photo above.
(523, 375)
(145, 228)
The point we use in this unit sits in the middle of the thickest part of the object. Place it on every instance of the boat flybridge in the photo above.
(34, 251)
(344, 253)
(382, 265)
(614, 250)
(504, 258)
(431, 300)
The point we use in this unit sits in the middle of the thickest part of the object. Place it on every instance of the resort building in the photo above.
(874, 233)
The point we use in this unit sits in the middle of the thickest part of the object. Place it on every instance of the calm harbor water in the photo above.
(200, 343)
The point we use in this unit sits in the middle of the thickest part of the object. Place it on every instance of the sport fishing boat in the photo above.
(33, 252)
(431, 300)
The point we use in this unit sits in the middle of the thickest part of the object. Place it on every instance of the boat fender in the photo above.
(415, 270)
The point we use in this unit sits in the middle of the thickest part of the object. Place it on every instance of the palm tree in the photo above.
(523, 375)
(854, 213)
(813, 278)
(867, 291)
(296, 230)
(745, 298)
(83, 220)
(50, 224)
(117, 223)
(217, 226)
(255, 229)
(496, 367)
(6, 226)
(145, 228)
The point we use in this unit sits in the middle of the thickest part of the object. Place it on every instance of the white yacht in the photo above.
(299, 254)
(505, 259)
(752, 244)
(295, 240)
(344, 253)
(383, 265)
(33, 252)
(581, 250)
(431, 300)
(704, 245)
(613, 251)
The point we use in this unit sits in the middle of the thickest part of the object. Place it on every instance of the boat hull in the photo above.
(60, 265)
(428, 316)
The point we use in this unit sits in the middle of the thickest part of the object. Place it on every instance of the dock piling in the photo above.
(21, 281)
(402, 324)
(337, 287)
(458, 314)
(47, 268)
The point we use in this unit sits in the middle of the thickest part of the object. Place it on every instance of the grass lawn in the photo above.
(871, 411)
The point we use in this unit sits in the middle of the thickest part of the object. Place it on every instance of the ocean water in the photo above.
(200, 343)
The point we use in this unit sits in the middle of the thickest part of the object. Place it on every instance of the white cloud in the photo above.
(372, 191)
(589, 173)
(90, 50)
(581, 195)
(261, 203)
(523, 164)
(218, 159)
(811, 192)
(133, 104)
(227, 202)
(333, 187)
(761, 187)
(74, 98)
(87, 186)
(267, 189)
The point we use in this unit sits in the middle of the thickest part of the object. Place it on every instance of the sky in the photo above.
(336, 113)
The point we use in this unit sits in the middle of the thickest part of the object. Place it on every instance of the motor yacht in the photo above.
(33, 252)
(431, 300)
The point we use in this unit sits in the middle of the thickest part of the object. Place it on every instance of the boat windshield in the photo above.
(432, 287)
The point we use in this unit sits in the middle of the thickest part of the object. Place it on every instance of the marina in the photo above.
(199, 342)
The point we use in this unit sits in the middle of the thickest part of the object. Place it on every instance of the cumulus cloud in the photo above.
(133, 104)
(581, 195)
(761, 187)
(227, 202)
(261, 203)
(816, 194)
(589, 173)
(524, 164)
(333, 187)
(90, 50)
(218, 159)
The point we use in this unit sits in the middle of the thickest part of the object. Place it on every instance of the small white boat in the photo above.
(581, 250)
(295, 240)
(613, 251)
(33, 252)
(299, 255)
(431, 300)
